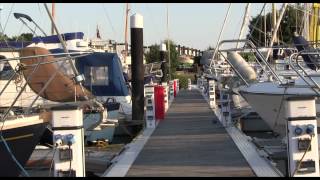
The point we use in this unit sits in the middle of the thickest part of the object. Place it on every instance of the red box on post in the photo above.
(159, 102)
(174, 88)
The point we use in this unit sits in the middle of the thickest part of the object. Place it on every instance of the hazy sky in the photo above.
(193, 25)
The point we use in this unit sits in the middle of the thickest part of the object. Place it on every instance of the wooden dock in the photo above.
(190, 141)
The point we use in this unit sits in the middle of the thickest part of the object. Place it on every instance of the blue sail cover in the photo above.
(14, 44)
(116, 85)
(302, 44)
(55, 39)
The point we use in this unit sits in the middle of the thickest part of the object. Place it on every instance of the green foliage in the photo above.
(183, 79)
(154, 55)
(248, 56)
(3, 37)
(173, 56)
(21, 37)
(291, 22)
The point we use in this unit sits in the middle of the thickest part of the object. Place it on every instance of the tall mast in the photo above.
(314, 22)
(53, 17)
(265, 27)
(126, 33)
(219, 38)
(244, 22)
(274, 19)
(274, 34)
(168, 42)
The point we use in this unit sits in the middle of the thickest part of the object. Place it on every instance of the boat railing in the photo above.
(153, 68)
(257, 52)
(21, 66)
(27, 79)
(298, 66)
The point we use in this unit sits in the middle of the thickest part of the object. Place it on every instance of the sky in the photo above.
(195, 25)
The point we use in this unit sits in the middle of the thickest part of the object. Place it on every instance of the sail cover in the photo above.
(103, 74)
(62, 88)
(312, 61)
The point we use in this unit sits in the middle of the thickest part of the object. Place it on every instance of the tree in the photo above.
(3, 37)
(21, 37)
(153, 55)
(173, 56)
(292, 21)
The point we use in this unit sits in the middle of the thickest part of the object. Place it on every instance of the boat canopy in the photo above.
(55, 39)
(103, 74)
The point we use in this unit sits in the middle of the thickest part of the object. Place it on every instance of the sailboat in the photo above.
(267, 98)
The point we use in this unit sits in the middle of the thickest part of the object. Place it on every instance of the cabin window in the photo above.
(96, 76)
(6, 70)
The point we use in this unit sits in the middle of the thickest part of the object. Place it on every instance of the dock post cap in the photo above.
(163, 47)
(136, 21)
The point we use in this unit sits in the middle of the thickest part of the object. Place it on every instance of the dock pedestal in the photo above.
(212, 94)
(68, 133)
(302, 137)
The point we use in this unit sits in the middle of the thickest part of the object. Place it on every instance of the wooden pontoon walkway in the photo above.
(190, 141)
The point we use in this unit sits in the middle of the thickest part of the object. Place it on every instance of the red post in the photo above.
(159, 102)
(175, 88)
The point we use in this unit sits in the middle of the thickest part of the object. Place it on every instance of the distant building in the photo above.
(207, 56)
(102, 45)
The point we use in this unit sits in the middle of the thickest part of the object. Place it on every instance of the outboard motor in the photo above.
(312, 61)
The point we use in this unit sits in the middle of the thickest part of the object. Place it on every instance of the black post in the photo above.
(136, 25)
(179, 50)
(164, 66)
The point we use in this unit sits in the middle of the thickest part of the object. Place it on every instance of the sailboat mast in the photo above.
(53, 9)
(274, 35)
(314, 22)
(306, 22)
(274, 19)
(168, 42)
(265, 27)
(126, 34)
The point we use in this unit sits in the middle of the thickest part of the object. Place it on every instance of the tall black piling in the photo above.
(136, 32)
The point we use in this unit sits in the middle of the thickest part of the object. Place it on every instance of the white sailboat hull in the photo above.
(270, 105)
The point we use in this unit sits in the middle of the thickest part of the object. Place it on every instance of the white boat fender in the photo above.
(242, 66)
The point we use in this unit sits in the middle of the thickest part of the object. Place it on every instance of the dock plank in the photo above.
(190, 142)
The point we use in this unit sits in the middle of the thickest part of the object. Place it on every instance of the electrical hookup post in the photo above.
(212, 94)
(150, 106)
(68, 139)
(302, 136)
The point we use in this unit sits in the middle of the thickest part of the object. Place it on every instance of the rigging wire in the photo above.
(3, 120)
(5, 25)
(256, 23)
(239, 22)
(218, 41)
(109, 20)
(52, 160)
(300, 161)
(20, 30)
(12, 155)
(157, 30)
